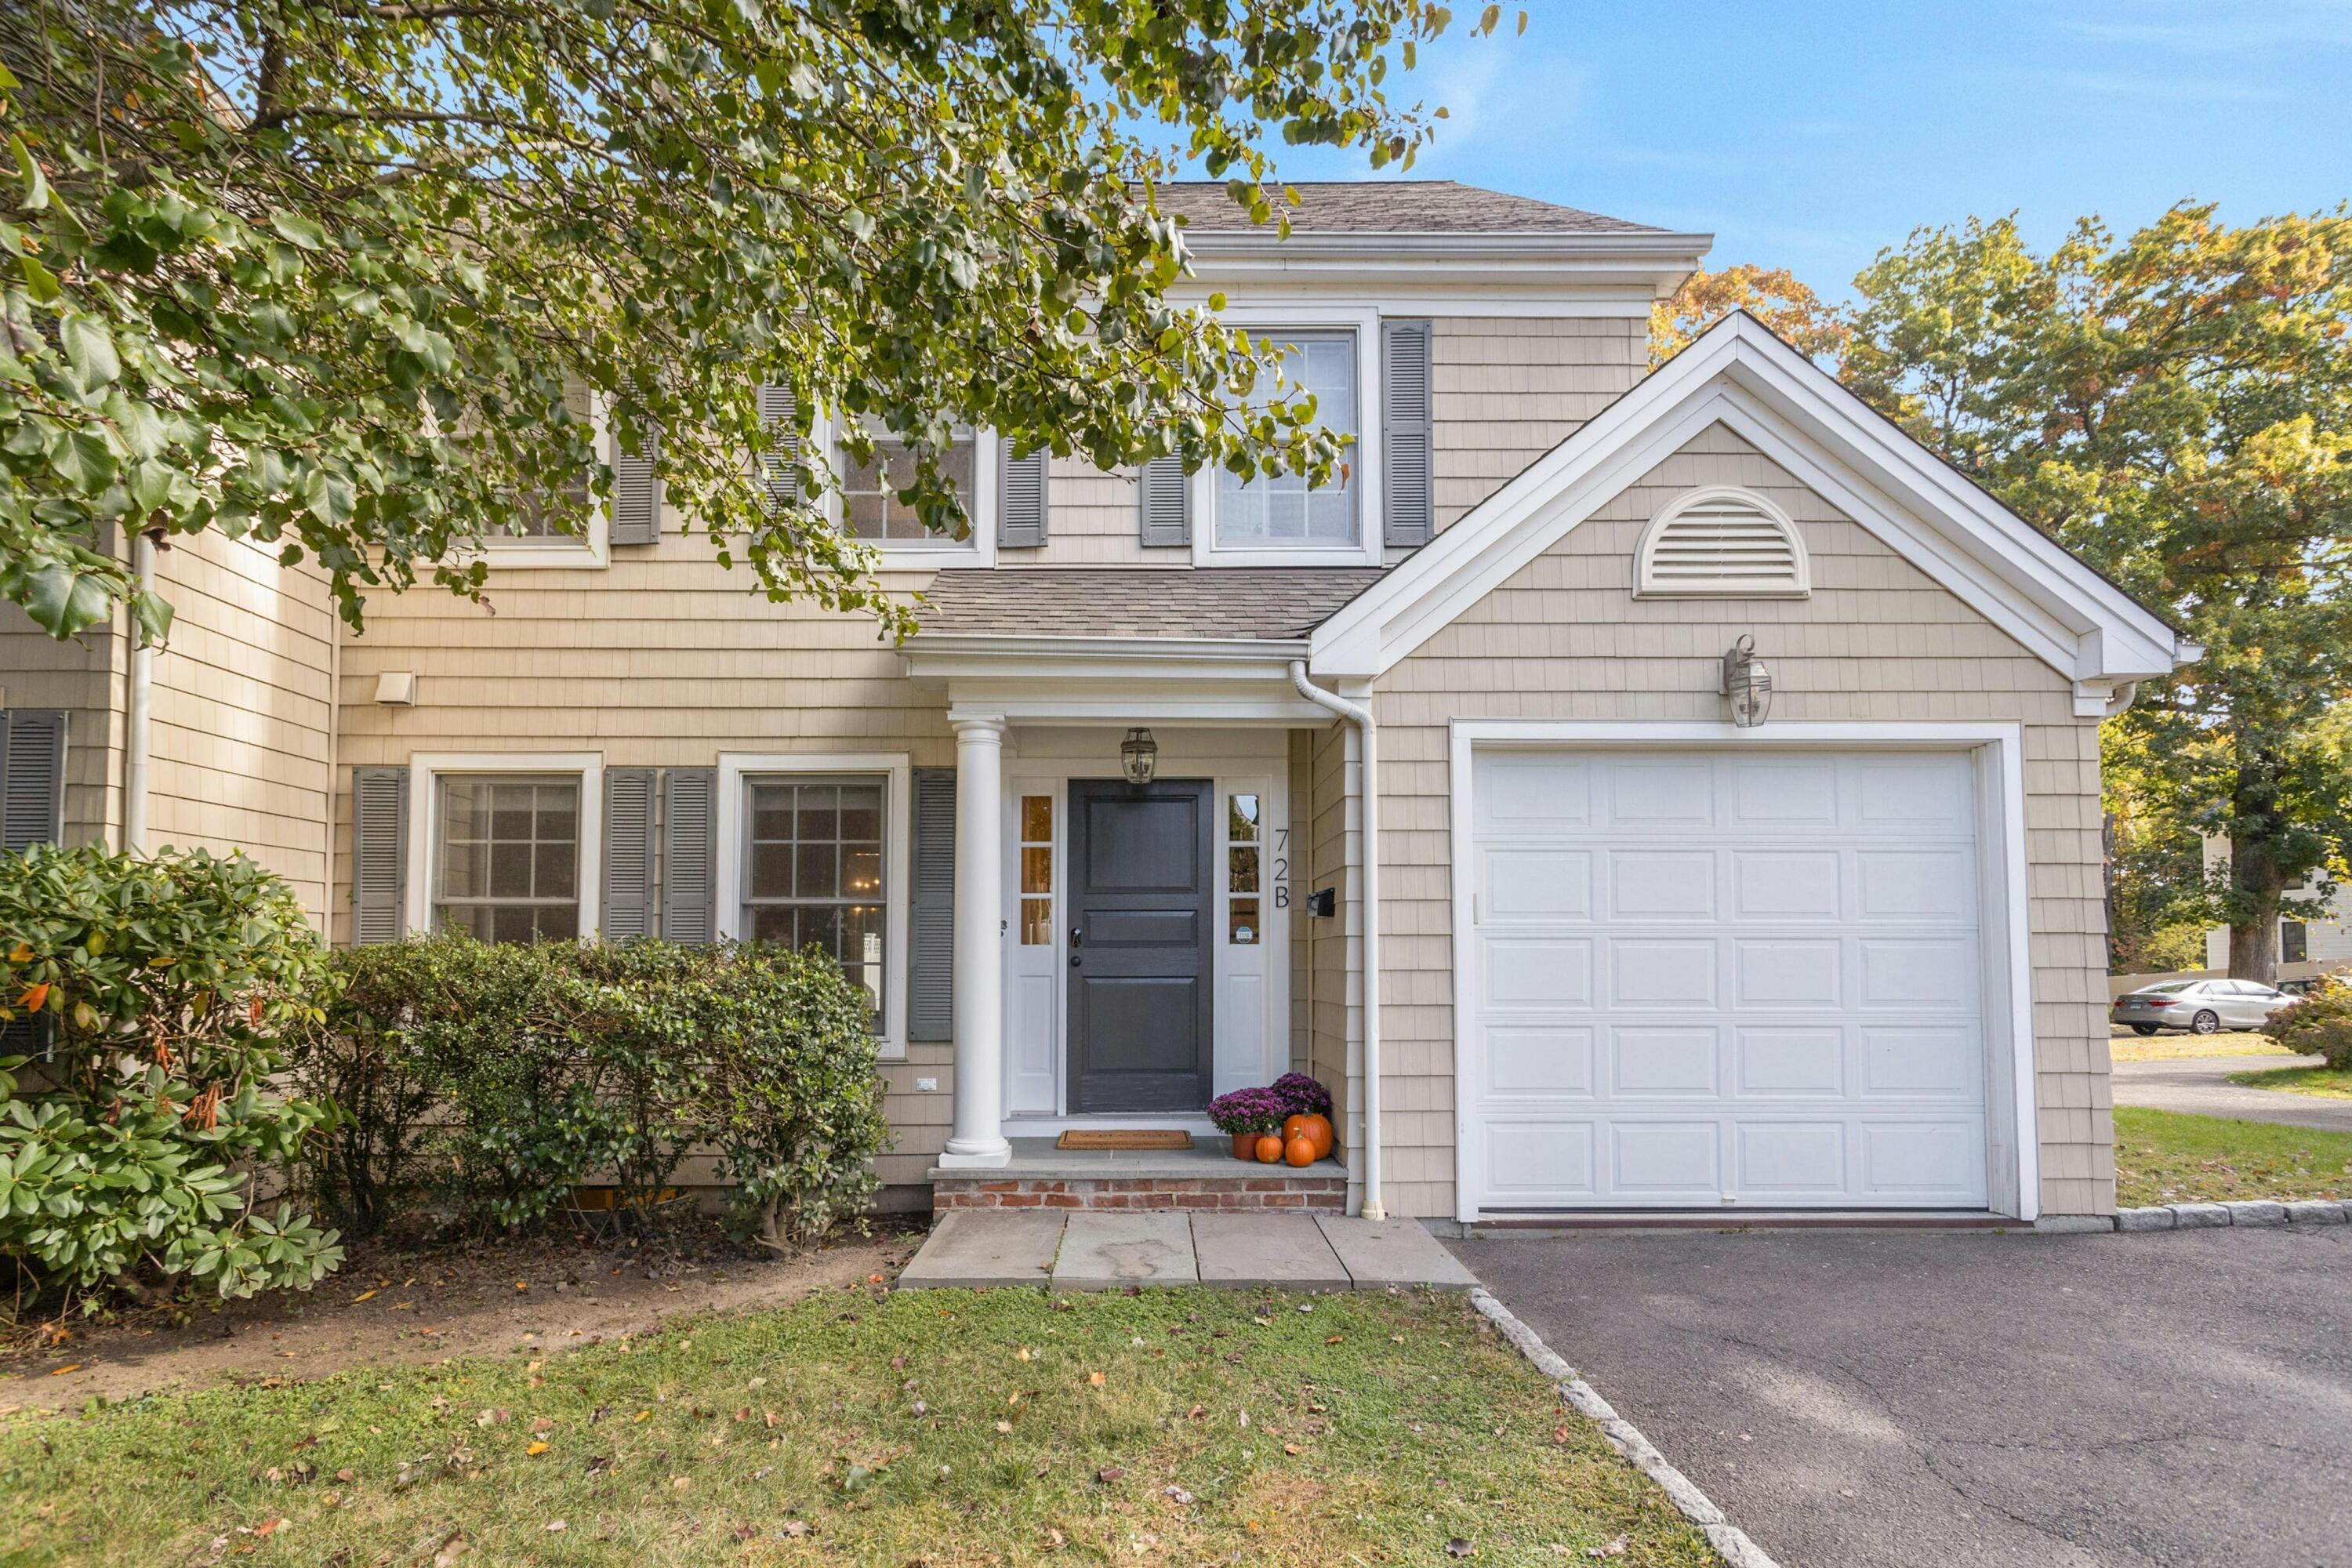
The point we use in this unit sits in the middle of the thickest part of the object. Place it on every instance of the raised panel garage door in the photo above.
(1708, 980)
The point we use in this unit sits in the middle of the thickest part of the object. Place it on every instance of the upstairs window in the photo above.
(870, 507)
(1281, 511)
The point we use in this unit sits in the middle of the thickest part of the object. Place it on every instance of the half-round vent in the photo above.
(1722, 543)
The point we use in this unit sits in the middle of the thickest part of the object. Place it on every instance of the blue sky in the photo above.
(1810, 133)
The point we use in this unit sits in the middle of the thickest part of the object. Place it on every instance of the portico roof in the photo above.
(1222, 604)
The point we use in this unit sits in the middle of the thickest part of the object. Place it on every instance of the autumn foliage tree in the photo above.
(2174, 406)
(1774, 295)
(341, 277)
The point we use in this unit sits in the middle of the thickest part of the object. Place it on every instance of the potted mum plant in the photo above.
(1247, 1115)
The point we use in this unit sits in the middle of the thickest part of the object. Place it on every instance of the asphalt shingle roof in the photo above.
(1242, 603)
(1390, 206)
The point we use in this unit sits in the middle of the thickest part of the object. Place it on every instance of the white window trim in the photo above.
(1645, 583)
(1270, 320)
(425, 827)
(979, 507)
(737, 767)
(2012, 1119)
(590, 553)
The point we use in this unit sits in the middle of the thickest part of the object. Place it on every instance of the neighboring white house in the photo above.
(1451, 808)
(2306, 947)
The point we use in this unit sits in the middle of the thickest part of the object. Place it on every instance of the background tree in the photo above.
(1774, 296)
(335, 274)
(2176, 406)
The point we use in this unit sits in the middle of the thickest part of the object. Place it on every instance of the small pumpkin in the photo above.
(1318, 1127)
(1299, 1150)
(1269, 1150)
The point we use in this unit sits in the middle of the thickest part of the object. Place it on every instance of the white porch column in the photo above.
(977, 1136)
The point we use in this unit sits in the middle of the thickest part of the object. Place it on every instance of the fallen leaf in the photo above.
(1095, 1379)
(1613, 1549)
(642, 1415)
(1332, 1339)
(1177, 1495)
(1108, 1474)
(1004, 1426)
(795, 1528)
(1023, 1354)
(542, 1424)
(522, 1284)
(680, 1483)
(61, 1371)
(874, 1279)
(267, 1527)
(536, 1448)
(1458, 1547)
(453, 1547)
(363, 1296)
(555, 1524)
(1292, 1449)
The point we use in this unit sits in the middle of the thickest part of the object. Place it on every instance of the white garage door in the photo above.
(1708, 980)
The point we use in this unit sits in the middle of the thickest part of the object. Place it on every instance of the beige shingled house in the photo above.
(1641, 942)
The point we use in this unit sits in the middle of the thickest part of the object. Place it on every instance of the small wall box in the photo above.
(1323, 902)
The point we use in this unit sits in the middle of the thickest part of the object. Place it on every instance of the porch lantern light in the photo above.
(1747, 682)
(1138, 756)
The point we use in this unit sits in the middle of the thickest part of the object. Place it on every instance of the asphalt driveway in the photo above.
(1855, 1398)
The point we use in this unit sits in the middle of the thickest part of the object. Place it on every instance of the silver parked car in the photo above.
(2200, 1006)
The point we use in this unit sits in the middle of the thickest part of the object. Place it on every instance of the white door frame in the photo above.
(2013, 1154)
(1047, 765)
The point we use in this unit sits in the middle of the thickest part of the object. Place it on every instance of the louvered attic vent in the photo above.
(1722, 543)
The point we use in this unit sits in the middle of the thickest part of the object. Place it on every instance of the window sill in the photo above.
(1288, 555)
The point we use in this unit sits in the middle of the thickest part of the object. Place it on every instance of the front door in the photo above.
(1141, 959)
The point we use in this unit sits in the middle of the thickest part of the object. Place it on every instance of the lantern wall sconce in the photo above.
(1747, 682)
(1138, 756)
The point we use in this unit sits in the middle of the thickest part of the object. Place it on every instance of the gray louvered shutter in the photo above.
(379, 854)
(1167, 497)
(930, 968)
(690, 855)
(637, 493)
(1408, 512)
(628, 889)
(773, 464)
(1023, 497)
(34, 808)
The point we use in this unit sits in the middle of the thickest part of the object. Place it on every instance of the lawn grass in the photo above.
(2328, 1083)
(2166, 1157)
(2186, 1048)
(936, 1427)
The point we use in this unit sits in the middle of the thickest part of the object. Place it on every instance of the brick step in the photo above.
(1317, 1193)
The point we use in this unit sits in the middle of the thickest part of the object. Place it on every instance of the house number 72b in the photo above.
(1282, 868)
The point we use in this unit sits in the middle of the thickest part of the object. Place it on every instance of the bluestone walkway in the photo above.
(1087, 1249)
(2202, 1086)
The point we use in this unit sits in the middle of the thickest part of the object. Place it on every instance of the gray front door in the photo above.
(1140, 990)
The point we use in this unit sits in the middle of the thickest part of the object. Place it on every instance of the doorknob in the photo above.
(1077, 936)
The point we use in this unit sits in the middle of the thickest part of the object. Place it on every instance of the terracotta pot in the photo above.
(1299, 1150)
(1269, 1150)
(1244, 1145)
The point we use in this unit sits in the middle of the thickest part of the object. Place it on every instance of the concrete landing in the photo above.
(1096, 1251)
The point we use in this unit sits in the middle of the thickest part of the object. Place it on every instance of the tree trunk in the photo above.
(2253, 937)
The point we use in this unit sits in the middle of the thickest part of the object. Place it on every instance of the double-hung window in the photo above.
(870, 507)
(1281, 511)
(507, 867)
(813, 874)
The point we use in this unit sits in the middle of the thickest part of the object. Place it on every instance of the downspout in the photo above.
(1362, 717)
(138, 705)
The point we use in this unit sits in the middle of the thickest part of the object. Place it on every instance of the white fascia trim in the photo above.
(2015, 1012)
(2066, 613)
(423, 826)
(898, 869)
(1656, 262)
(925, 647)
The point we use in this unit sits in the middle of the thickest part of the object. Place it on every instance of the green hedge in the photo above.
(2319, 1024)
(152, 999)
(490, 1081)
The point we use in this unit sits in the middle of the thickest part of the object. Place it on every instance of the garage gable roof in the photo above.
(1740, 375)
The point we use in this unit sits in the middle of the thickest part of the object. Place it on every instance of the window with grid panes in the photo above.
(870, 507)
(1281, 510)
(1243, 927)
(813, 870)
(507, 867)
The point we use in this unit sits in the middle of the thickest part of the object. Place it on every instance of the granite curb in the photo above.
(1731, 1544)
(2244, 1212)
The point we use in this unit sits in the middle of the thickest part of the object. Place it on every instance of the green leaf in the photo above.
(32, 185)
(297, 230)
(90, 349)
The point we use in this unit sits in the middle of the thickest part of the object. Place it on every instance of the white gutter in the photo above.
(138, 704)
(1362, 717)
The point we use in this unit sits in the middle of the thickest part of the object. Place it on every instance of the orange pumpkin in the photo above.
(1318, 1127)
(1294, 1127)
(1269, 1150)
(1299, 1150)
